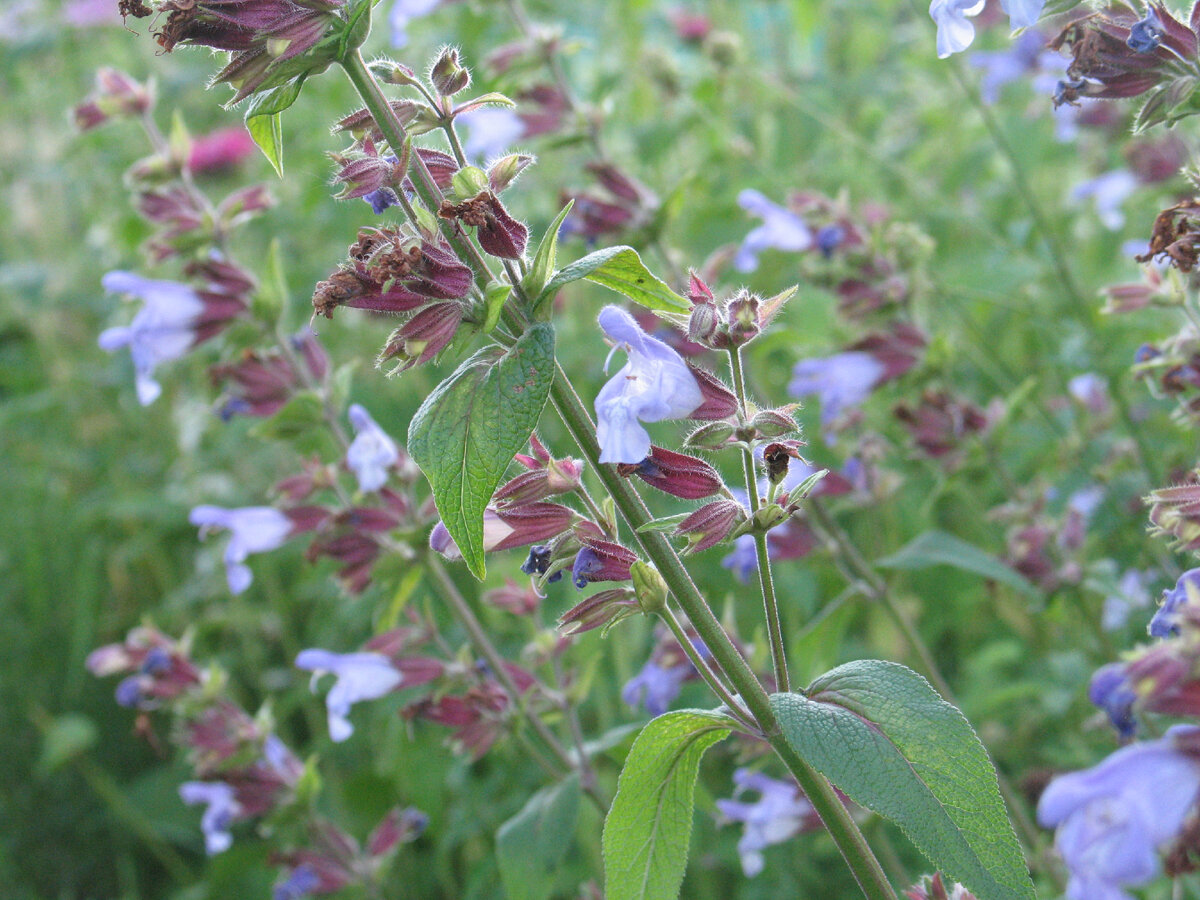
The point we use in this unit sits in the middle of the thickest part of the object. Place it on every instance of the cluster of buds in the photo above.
(261, 383)
(270, 42)
(242, 770)
(1172, 369)
(1175, 513)
(732, 322)
(389, 270)
(1045, 547)
(1114, 54)
(869, 262)
(1162, 678)
(940, 423)
(1175, 236)
(117, 95)
(620, 206)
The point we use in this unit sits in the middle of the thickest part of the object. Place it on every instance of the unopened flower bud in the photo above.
(769, 516)
(723, 47)
(719, 401)
(710, 524)
(649, 586)
(773, 423)
(674, 473)
(504, 171)
(423, 337)
(712, 436)
(1175, 512)
(703, 324)
(448, 75)
(602, 610)
(392, 72)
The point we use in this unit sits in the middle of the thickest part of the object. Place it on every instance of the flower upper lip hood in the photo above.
(655, 384)
(1113, 817)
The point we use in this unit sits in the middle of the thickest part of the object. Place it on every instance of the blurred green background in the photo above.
(839, 96)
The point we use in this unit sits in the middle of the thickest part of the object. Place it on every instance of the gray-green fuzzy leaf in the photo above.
(467, 431)
(881, 734)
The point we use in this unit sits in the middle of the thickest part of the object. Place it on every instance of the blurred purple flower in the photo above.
(839, 381)
(162, 330)
(403, 12)
(89, 13)
(780, 812)
(954, 32)
(1133, 592)
(1022, 13)
(656, 686)
(1165, 622)
(491, 131)
(1112, 818)
(1003, 66)
(255, 529)
(1108, 192)
(743, 559)
(301, 882)
(222, 809)
(372, 452)
(360, 676)
(781, 229)
(655, 384)
(1111, 691)
(1091, 390)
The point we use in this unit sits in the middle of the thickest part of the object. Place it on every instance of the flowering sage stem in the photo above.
(765, 581)
(842, 828)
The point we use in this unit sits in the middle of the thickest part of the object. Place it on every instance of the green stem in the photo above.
(702, 667)
(766, 582)
(483, 645)
(842, 828)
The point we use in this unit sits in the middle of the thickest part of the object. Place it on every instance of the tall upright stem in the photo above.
(842, 828)
(766, 582)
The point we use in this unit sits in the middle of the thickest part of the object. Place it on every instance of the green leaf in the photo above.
(531, 845)
(622, 270)
(936, 548)
(882, 735)
(545, 259)
(264, 123)
(467, 431)
(649, 826)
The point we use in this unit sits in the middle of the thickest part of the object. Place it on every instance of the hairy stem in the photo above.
(766, 582)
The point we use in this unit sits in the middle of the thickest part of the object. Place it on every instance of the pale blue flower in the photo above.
(372, 452)
(1022, 13)
(222, 809)
(1113, 818)
(840, 381)
(360, 676)
(954, 32)
(301, 882)
(780, 812)
(1091, 390)
(1003, 66)
(1108, 192)
(743, 559)
(255, 529)
(656, 686)
(1133, 592)
(1186, 592)
(163, 329)
(781, 229)
(655, 384)
(490, 132)
(403, 12)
